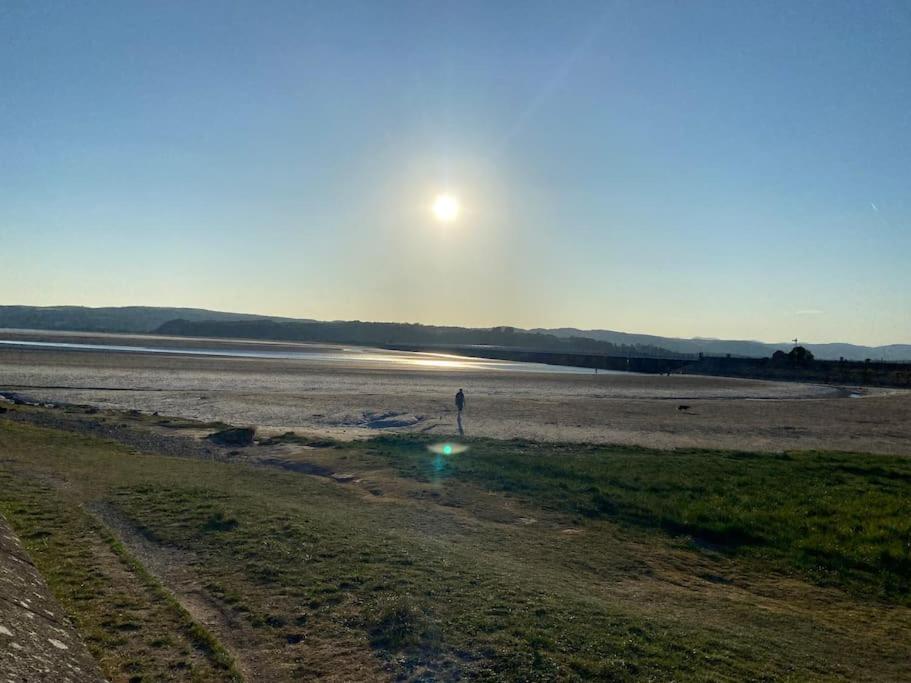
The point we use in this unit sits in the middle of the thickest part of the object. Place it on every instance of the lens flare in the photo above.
(447, 448)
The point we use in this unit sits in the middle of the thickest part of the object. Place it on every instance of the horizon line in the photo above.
(462, 326)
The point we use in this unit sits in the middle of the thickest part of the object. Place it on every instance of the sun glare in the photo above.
(446, 208)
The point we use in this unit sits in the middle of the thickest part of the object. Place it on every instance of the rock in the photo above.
(233, 436)
(388, 420)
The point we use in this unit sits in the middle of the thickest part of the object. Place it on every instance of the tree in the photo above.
(800, 355)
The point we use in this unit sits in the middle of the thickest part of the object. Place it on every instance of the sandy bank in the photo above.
(349, 401)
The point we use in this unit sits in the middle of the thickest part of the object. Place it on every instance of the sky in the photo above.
(718, 169)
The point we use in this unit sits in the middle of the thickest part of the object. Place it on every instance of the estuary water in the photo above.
(340, 355)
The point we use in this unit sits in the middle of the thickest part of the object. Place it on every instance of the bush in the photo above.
(397, 624)
(218, 522)
(599, 505)
(233, 436)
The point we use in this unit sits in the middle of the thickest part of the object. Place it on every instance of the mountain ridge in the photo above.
(135, 319)
(147, 319)
(740, 347)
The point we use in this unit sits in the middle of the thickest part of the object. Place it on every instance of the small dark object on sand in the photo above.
(2, 410)
(233, 436)
(91, 410)
(683, 407)
(135, 413)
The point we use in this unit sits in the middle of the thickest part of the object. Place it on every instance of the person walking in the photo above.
(460, 405)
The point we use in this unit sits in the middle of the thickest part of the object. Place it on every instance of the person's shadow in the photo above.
(459, 423)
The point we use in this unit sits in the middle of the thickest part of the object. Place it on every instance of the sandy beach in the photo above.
(345, 398)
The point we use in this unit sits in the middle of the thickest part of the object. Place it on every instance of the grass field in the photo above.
(511, 561)
(840, 518)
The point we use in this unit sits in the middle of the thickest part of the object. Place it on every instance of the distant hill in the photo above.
(391, 334)
(136, 319)
(150, 319)
(753, 349)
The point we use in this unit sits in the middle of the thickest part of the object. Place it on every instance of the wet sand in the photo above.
(348, 399)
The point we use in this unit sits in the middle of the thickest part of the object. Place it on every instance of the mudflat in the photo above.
(348, 398)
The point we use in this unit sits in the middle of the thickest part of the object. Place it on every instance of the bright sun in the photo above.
(446, 208)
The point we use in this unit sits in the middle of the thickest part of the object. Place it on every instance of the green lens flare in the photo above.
(447, 448)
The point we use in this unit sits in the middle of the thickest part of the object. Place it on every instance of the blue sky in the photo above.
(727, 169)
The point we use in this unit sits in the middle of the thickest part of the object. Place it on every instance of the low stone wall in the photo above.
(37, 642)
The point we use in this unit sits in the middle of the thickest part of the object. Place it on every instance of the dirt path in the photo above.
(118, 426)
(172, 568)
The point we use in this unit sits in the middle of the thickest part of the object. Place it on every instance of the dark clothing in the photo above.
(460, 400)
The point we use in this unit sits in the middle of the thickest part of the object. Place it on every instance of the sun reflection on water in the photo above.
(444, 363)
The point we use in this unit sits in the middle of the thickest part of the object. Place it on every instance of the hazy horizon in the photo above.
(456, 324)
(723, 170)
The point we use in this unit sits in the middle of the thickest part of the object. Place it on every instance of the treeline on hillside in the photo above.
(390, 334)
(800, 365)
(112, 319)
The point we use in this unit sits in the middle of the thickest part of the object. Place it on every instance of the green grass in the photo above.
(419, 582)
(132, 626)
(196, 634)
(841, 519)
(412, 599)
